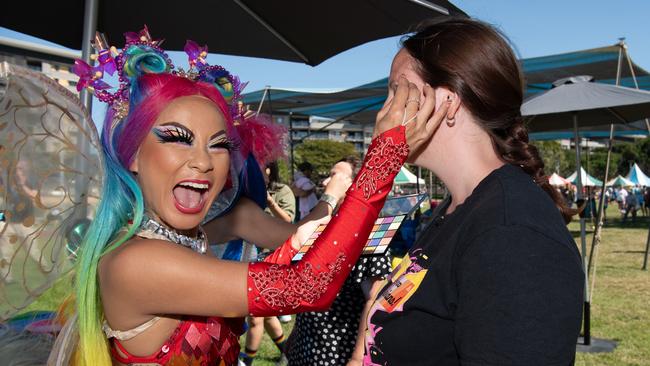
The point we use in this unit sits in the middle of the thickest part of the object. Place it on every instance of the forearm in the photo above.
(357, 353)
(278, 212)
(312, 283)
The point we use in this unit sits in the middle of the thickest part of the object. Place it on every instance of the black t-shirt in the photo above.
(498, 281)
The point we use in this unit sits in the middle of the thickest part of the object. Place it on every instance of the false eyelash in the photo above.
(174, 134)
(228, 144)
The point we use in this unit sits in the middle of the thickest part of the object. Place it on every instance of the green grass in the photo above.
(621, 298)
(620, 304)
(268, 354)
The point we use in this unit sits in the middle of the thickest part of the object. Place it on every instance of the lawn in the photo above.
(621, 299)
(620, 305)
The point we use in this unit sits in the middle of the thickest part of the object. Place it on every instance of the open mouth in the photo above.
(190, 196)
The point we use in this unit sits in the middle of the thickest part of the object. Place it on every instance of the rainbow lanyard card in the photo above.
(378, 241)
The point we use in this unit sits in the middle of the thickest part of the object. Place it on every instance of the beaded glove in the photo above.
(312, 283)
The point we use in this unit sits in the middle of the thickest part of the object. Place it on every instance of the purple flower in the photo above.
(142, 36)
(107, 62)
(196, 54)
(89, 77)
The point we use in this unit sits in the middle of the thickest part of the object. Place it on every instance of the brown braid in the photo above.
(512, 144)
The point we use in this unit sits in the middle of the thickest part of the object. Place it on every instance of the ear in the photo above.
(133, 168)
(444, 94)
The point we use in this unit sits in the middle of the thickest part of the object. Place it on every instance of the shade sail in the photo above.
(591, 103)
(539, 74)
(292, 30)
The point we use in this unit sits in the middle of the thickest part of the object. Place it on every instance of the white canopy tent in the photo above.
(620, 181)
(406, 177)
(637, 176)
(556, 180)
(586, 179)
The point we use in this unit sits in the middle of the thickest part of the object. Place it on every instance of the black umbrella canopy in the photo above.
(592, 103)
(291, 30)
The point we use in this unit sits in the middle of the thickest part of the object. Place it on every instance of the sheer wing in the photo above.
(50, 182)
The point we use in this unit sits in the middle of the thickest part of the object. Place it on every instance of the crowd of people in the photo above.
(630, 200)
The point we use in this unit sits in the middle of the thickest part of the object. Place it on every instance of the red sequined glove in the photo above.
(282, 254)
(312, 283)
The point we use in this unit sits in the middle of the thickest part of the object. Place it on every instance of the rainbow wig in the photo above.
(121, 207)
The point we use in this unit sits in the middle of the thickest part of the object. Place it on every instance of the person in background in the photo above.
(281, 204)
(304, 189)
(631, 205)
(639, 193)
(621, 198)
(329, 337)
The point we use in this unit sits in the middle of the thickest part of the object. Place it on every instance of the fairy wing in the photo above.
(50, 183)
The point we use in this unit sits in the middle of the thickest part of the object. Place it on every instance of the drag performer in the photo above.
(147, 292)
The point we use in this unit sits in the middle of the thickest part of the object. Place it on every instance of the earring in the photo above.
(451, 121)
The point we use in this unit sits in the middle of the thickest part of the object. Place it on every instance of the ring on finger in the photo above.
(416, 100)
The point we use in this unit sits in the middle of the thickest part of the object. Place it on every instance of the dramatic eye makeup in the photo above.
(173, 132)
(221, 141)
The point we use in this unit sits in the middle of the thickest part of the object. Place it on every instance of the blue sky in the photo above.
(536, 28)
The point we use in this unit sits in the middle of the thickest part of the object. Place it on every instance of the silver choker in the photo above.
(152, 229)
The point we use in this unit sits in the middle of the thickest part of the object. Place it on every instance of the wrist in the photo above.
(330, 200)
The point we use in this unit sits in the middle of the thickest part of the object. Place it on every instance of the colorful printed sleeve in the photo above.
(312, 283)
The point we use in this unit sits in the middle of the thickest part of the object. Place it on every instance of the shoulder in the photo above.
(283, 189)
(137, 257)
(525, 244)
(511, 198)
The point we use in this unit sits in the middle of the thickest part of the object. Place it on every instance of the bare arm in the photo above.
(148, 277)
(276, 210)
(249, 222)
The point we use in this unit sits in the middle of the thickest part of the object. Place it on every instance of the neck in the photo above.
(192, 233)
(461, 156)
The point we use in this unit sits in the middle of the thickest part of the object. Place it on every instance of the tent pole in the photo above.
(417, 180)
(259, 107)
(583, 243)
(599, 222)
(636, 83)
(86, 97)
(90, 27)
(291, 159)
(647, 249)
(647, 125)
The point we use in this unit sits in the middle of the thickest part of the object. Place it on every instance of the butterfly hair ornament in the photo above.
(141, 55)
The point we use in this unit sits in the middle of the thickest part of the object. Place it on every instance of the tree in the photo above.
(629, 155)
(554, 156)
(597, 160)
(322, 154)
(643, 148)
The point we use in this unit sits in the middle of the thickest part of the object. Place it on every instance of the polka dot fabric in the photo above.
(328, 338)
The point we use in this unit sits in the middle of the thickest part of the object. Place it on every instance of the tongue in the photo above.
(187, 197)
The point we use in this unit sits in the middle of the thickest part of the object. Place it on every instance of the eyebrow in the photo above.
(218, 134)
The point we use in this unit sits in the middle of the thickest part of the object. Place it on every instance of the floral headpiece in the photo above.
(142, 55)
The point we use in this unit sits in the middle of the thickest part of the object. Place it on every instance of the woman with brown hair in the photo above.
(496, 278)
